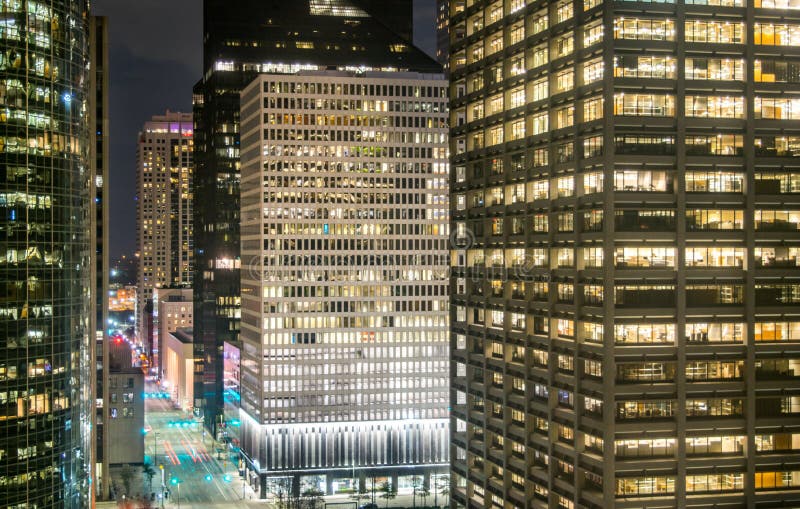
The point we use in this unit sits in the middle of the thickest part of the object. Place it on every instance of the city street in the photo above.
(193, 474)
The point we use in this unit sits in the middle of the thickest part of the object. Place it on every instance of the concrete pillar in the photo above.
(395, 480)
(296, 485)
(426, 479)
(328, 484)
(262, 486)
(362, 481)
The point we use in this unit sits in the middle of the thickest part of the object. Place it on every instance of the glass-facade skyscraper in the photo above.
(625, 275)
(264, 37)
(47, 342)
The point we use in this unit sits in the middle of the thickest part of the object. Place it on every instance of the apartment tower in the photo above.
(344, 364)
(163, 208)
(625, 279)
(47, 313)
(265, 37)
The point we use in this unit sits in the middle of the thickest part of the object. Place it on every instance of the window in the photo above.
(592, 71)
(593, 146)
(714, 219)
(777, 256)
(715, 257)
(644, 409)
(516, 34)
(642, 181)
(592, 33)
(644, 257)
(565, 80)
(772, 34)
(539, 123)
(562, 46)
(716, 107)
(723, 32)
(539, 22)
(704, 445)
(636, 333)
(652, 105)
(564, 11)
(714, 69)
(776, 108)
(714, 482)
(592, 109)
(714, 332)
(564, 116)
(777, 4)
(539, 56)
(776, 71)
(777, 220)
(644, 29)
(644, 66)
(517, 97)
(716, 145)
(644, 448)
(713, 407)
(643, 486)
(698, 181)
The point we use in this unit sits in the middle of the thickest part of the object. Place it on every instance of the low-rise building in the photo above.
(178, 366)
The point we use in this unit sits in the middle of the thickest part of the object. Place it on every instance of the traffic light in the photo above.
(174, 481)
(209, 477)
(226, 478)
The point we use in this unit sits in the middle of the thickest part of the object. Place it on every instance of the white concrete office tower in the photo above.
(163, 205)
(344, 276)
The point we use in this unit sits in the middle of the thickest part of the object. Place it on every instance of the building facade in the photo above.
(238, 45)
(98, 52)
(178, 366)
(344, 290)
(625, 284)
(164, 206)
(443, 33)
(47, 314)
(124, 407)
(174, 309)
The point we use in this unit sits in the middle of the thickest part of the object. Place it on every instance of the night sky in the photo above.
(155, 58)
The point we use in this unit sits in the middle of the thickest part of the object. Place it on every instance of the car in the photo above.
(369, 506)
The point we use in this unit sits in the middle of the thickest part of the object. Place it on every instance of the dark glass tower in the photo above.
(264, 37)
(46, 343)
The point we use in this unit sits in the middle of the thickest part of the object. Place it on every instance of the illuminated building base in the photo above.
(344, 449)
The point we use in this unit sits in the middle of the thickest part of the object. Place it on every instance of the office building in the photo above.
(443, 33)
(174, 309)
(99, 152)
(238, 45)
(163, 208)
(344, 296)
(47, 315)
(125, 403)
(625, 282)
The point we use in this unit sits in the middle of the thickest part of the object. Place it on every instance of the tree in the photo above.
(359, 494)
(424, 493)
(415, 487)
(149, 473)
(312, 498)
(126, 474)
(443, 486)
(388, 491)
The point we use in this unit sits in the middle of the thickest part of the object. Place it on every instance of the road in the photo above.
(192, 472)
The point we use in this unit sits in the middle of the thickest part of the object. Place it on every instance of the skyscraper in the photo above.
(344, 279)
(98, 52)
(625, 283)
(47, 343)
(164, 207)
(443, 32)
(265, 37)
